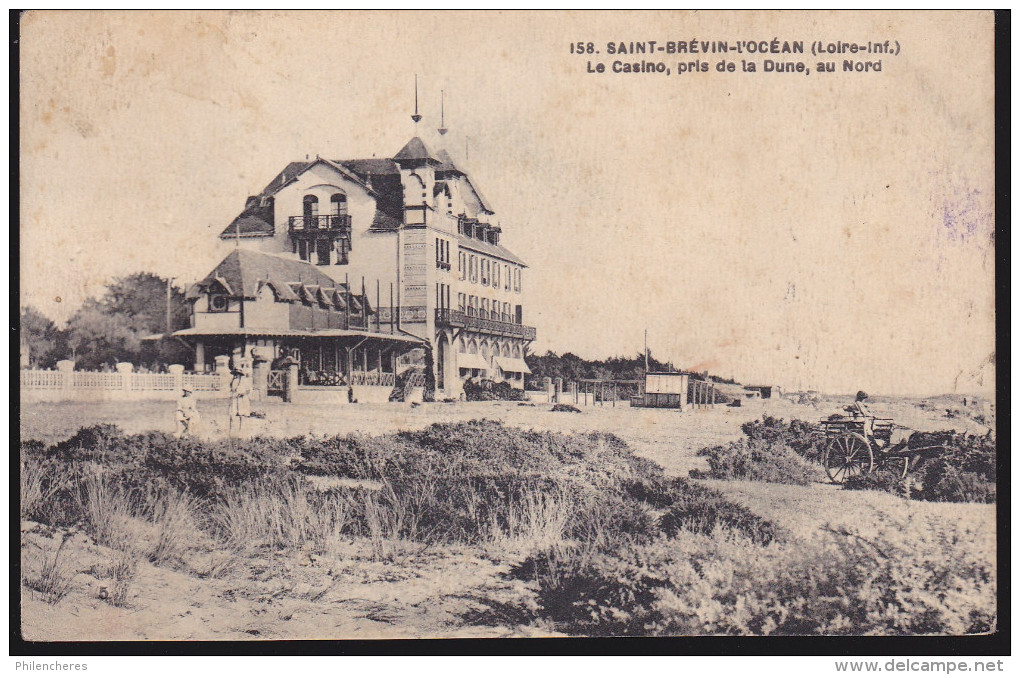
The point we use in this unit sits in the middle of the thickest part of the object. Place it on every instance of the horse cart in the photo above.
(858, 446)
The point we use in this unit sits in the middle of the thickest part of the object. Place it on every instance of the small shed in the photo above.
(666, 390)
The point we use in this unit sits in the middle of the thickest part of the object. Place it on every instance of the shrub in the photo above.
(279, 514)
(351, 456)
(804, 438)
(903, 578)
(55, 580)
(107, 510)
(565, 407)
(965, 471)
(36, 490)
(174, 515)
(595, 594)
(899, 579)
(759, 459)
(206, 468)
(701, 510)
(123, 573)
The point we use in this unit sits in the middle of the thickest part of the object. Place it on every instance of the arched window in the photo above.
(339, 204)
(311, 209)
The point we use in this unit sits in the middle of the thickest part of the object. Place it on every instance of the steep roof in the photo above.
(381, 176)
(446, 164)
(415, 151)
(494, 250)
(243, 272)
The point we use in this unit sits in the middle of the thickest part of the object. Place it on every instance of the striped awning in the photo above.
(512, 365)
(465, 360)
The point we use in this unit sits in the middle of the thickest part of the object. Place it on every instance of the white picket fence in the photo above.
(58, 385)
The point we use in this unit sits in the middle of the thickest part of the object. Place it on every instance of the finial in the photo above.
(442, 113)
(416, 117)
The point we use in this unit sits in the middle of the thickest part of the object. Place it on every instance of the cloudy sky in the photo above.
(831, 231)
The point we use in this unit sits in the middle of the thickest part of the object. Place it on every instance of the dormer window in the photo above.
(218, 302)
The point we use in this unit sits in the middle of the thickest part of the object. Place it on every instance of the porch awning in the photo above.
(465, 360)
(512, 365)
(289, 332)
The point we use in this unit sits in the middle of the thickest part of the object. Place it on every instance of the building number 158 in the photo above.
(582, 47)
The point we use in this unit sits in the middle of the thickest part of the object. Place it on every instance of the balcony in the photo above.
(458, 319)
(336, 226)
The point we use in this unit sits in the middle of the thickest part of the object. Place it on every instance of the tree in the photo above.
(111, 328)
(41, 336)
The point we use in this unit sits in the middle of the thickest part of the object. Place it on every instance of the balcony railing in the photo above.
(458, 319)
(336, 225)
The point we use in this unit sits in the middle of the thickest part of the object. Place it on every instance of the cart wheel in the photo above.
(848, 456)
(899, 466)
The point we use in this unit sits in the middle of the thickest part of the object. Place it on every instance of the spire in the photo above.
(416, 117)
(442, 113)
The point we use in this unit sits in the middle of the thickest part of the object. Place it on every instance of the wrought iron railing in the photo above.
(334, 224)
(458, 319)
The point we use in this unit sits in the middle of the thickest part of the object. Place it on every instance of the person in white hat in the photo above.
(187, 413)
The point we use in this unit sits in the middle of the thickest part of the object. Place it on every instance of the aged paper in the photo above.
(801, 202)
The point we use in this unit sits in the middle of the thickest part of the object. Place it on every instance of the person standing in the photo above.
(187, 414)
(240, 397)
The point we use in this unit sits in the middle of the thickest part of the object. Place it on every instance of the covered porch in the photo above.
(328, 359)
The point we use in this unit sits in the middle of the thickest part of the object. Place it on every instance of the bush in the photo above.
(700, 510)
(595, 594)
(565, 407)
(56, 579)
(352, 456)
(759, 459)
(906, 578)
(804, 438)
(965, 471)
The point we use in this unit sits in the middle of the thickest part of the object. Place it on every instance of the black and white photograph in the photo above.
(408, 325)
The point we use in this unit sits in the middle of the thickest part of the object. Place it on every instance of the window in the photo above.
(310, 209)
(507, 269)
(485, 308)
(218, 302)
(495, 310)
(473, 267)
(472, 309)
(506, 312)
(322, 248)
(339, 202)
(442, 254)
(495, 276)
(302, 249)
(485, 272)
(517, 280)
(461, 265)
(461, 302)
(343, 247)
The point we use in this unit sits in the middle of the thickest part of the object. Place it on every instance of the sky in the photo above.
(823, 231)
